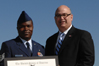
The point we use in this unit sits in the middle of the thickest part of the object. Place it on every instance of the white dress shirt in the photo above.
(65, 32)
(30, 42)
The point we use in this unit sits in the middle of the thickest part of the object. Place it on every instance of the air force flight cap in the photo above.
(23, 17)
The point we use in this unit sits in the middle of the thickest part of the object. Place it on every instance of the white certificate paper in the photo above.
(32, 61)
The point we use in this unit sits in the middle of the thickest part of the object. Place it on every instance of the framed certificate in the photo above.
(32, 61)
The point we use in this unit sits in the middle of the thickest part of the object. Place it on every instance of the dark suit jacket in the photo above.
(77, 48)
(15, 48)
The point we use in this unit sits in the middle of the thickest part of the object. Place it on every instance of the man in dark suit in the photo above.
(73, 46)
(22, 45)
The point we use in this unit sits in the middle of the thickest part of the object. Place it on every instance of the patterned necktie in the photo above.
(28, 47)
(59, 43)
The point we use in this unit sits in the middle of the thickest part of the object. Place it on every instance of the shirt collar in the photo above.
(24, 41)
(66, 31)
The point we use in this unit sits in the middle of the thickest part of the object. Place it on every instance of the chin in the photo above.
(62, 26)
(26, 38)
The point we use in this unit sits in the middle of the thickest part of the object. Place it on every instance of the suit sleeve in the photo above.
(48, 48)
(86, 55)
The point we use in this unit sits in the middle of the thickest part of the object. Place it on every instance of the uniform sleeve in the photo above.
(6, 49)
(5, 53)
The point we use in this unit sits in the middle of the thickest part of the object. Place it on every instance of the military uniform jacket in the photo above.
(15, 48)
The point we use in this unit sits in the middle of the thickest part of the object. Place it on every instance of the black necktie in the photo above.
(28, 47)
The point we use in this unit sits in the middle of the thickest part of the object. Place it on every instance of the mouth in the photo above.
(62, 22)
(26, 33)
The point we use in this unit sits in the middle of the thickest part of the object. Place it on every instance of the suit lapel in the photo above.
(67, 39)
(54, 42)
(21, 46)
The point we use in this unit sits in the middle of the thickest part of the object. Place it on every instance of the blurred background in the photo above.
(85, 14)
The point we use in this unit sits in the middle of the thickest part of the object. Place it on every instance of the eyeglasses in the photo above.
(63, 15)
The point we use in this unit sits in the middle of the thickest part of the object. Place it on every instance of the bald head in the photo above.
(62, 8)
(63, 18)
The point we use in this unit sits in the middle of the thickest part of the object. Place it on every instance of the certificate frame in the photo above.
(32, 61)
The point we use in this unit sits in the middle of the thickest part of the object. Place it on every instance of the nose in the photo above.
(62, 17)
(25, 28)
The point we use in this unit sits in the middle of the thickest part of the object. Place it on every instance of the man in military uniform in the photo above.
(22, 45)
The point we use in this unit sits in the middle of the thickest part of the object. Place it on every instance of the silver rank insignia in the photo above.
(2, 57)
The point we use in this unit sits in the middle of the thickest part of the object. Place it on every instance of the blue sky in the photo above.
(85, 14)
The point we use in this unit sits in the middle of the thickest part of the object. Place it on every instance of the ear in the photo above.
(71, 17)
(17, 27)
(54, 17)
